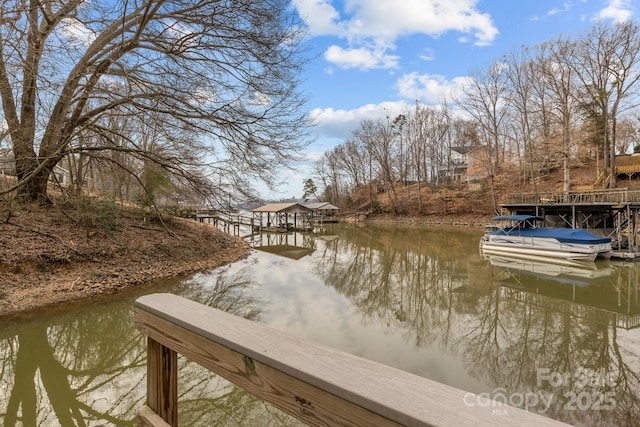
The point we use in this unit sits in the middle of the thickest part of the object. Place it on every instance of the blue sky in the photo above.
(377, 57)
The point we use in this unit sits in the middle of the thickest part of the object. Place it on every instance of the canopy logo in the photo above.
(585, 389)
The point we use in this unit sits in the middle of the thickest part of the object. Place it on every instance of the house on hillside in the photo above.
(7, 164)
(467, 164)
(456, 170)
(478, 164)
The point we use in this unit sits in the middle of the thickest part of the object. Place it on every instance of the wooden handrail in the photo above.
(318, 385)
(617, 195)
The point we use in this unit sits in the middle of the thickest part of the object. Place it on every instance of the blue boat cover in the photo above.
(565, 235)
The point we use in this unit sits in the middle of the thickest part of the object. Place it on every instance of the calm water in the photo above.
(562, 340)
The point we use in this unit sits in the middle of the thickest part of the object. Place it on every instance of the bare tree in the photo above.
(416, 135)
(352, 160)
(606, 65)
(485, 101)
(379, 138)
(438, 125)
(520, 72)
(327, 170)
(225, 75)
(365, 136)
(627, 134)
(561, 87)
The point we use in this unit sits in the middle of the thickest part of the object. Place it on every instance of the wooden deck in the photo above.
(614, 196)
(316, 384)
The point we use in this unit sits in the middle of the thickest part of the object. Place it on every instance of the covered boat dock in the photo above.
(324, 212)
(282, 217)
(612, 213)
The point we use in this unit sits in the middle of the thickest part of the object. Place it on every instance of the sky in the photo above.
(376, 58)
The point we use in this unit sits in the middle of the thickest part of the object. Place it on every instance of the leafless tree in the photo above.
(217, 81)
(606, 64)
(520, 72)
(485, 101)
(379, 138)
(416, 135)
(627, 134)
(352, 160)
(561, 88)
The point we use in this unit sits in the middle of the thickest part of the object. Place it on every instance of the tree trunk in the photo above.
(33, 189)
(612, 152)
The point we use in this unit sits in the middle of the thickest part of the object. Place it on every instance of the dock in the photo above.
(612, 213)
(271, 218)
(316, 384)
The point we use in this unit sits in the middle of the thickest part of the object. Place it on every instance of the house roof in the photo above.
(463, 150)
(280, 207)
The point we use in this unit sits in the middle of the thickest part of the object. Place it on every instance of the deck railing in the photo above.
(621, 195)
(316, 384)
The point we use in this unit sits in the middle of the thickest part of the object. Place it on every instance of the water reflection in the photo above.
(420, 299)
(517, 326)
(610, 286)
(291, 245)
(556, 331)
(50, 373)
(87, 368)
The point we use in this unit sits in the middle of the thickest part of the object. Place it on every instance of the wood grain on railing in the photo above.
(319, 385)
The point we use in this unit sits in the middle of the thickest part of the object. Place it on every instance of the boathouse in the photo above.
(612, 213)
(324, 211)
(282, 217)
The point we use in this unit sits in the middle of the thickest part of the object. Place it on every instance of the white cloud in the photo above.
(363, 58)
(429, 88)
(616, 10)
(371, 27)
(566, 6)
(320, 16)
(76, 32)
(339, 124)
(390, 19)
(427, 54)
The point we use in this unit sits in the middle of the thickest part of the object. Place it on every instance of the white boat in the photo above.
(521, 235)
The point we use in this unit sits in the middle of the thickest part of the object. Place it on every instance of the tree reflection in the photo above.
(433, 286)
(88, 368)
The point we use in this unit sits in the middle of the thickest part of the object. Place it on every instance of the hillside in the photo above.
(64, 252)
(462, 204)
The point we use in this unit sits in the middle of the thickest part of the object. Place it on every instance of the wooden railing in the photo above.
(620, 195)
(316, 384)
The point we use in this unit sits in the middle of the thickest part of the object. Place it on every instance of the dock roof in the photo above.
(281, 207)
(322, 205)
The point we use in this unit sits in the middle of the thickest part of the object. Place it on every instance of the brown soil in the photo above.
(56, 254)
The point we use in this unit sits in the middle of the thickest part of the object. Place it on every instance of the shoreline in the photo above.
(47, 260)
(69, 286)
(53, 270)
(439, 220)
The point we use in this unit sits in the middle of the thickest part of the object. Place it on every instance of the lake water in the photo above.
(561, 340)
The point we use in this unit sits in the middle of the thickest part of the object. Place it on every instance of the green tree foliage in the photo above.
(310, 190)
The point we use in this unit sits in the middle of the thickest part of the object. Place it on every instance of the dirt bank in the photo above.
(463, 220)
(61, 253)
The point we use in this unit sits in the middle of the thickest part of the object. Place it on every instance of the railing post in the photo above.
(162, 381)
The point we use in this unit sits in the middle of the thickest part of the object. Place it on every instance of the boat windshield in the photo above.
(518, 222)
